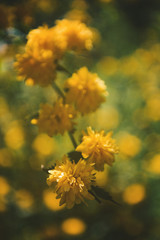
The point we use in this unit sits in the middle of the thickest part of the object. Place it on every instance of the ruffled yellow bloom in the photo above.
(57, 118)
(72, 181)
(86, 90)
(44, 47)
(45, 41)
(40, 71)
(76, 34)
(98, 148)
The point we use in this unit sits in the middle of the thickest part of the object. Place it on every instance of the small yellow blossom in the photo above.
(98, 148)
(72, 181)
(39, 71)
(44, 41)
(76, 34)
(86, 90)
(57, 118)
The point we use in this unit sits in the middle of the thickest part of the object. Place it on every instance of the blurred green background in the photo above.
(127, 57)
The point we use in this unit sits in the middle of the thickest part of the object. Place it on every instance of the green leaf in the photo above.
(75, 156)
(101, 193)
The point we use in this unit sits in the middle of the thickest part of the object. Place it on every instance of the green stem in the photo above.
(72, 139)
(58, 90)
(96, 198)
(63, 69)
(60, 93)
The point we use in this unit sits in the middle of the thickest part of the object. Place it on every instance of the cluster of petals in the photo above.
(38, 70)
(98, 148)
(46, 46)
(76, 34)
(57, 118)
(86, 90)
(72, 181)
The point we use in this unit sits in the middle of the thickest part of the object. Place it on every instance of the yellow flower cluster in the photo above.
(40, 71)
(98, 148)
(73, 181)
(86, 90)
(57, 118)
(76, 35)
(45, 46)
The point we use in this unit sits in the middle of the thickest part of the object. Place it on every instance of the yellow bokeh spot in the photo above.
(14, 137)
(43, 144)
(34, 121)
(5, 157)
(129, 145)
(79, 4)
(4, 186)
(50, 201)
(24, 199)
(47, 5)
(102, 177)
(29, 82)
(134, 194)
(107, 118)
(152, 108)
(154, 164)
(129, 65)
(108, 65)
(73, 226)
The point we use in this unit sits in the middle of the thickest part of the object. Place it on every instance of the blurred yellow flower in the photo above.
(129, 145)
(86, 90)
(37, 70)
(57, 118)
(153, 165)
(98, 148)
(51, 201)
(73, 226)
(72, 181)
(134, 194)
(76, 34)
(4, 186)
(14, 136)
(24, 199)
(44, 41)
(43, 144)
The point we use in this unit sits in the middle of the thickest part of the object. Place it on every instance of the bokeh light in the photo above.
(50, 201)
(73, 226)
(43, 144)
(134, 194)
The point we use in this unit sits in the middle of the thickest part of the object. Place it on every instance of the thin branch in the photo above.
(72, 139)
(58, 90)
(63, 69)
(96, 198)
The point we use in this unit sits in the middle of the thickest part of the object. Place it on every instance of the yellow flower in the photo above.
(86, 90)
(76, 34)
(72, 181)
(39, 61)
(57, 118)
(40, 71)
(98, 148)
(45, 41)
